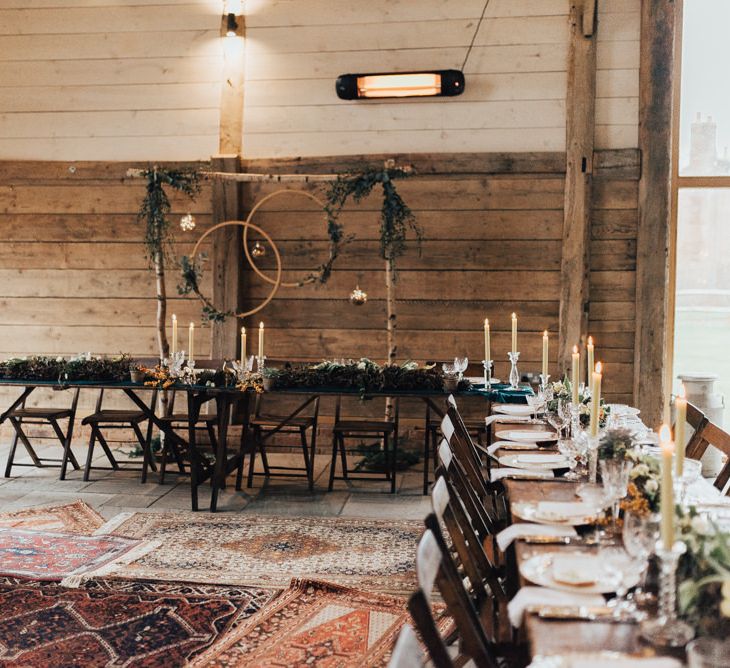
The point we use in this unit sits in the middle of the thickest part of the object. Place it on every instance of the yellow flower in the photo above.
(725, 607)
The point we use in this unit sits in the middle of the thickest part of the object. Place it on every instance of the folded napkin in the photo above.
(542, 458)
(498, 474)
(529, 596)
(562, 509)
(581, 659)
(507, 536)
(512, 445)
(506, 419)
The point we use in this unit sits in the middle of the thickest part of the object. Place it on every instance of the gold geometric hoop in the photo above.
(256, 207)
(276, 282)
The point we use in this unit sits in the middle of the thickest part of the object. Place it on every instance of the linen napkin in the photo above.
(564, 509)
(529, 596)
(498, 474)
(581, 659)
(507, 536)
(507, 419)
(511, 445)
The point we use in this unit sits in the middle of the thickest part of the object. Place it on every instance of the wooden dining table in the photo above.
(546, 637)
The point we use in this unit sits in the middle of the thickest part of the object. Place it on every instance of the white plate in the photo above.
(518, 462)
(602, 659)
(529, 513)
(513, 409)
(622, 409)
(526, 436)
(513, 445)
(542, 568)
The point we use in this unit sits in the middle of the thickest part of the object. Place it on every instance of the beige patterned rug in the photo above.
(269, 551)
(77, 517)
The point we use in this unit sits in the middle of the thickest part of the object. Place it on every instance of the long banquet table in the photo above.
(547, 637)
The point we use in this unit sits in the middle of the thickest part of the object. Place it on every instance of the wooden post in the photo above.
(580, 124)
(226, 258)
(232, 91)
(651, 384)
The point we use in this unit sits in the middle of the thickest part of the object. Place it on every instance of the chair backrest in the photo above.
(440, 567)
(484, 524)
(465, 452)
(696, 419)
(707, 433)
(407, 652)
(485, 588)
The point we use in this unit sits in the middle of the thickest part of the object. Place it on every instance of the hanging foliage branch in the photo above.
(395, 215)
(158, 239)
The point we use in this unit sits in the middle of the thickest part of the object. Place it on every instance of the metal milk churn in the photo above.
(700, 389)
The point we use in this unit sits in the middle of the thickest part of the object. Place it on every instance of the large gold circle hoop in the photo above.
(246, 225)
(251, 214)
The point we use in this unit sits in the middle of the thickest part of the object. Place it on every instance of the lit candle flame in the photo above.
(665, 434)
(599, 368)
(575, 349)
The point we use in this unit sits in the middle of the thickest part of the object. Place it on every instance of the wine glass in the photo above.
(615, 476)
(623, 565)
(460, 365)
(448, 369)
(640, 534)
(556, 419)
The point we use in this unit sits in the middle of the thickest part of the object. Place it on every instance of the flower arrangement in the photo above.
(704, 575)
(562, 390)
(81, 367)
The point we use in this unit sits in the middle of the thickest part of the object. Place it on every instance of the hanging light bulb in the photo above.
(187, 222)
(358, 297)
(258, 250)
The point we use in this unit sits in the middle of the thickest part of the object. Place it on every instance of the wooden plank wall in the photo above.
(109, 79)
(516, 76)
(492, 245)
(73, 273)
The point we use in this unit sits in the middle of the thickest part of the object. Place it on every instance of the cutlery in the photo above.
(581, 613)
(557, 540)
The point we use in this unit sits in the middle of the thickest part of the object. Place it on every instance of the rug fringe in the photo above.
(112, 524)
(75, 580)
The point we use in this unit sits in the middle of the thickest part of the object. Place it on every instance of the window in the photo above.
(701, 189)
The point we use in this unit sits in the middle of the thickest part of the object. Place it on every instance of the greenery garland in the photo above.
(83, 367)
(395, 215)
(155, 207)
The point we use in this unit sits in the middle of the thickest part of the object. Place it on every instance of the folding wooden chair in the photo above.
(266, 425)
(485, 588)
(435, 568)
(21, 416)
(707, 433)
(385, 430)
(407, 652)
(104, 419)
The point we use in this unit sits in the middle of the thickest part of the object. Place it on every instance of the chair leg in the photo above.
(163, 460)
(252, 457)
(11, 454)
(146, 452)
(343, 456)
(426, 458)
(241, 458)
(65, 439)
(90, 454)
(386, 457)
(333, 462)
(393, 463)
(307, 463)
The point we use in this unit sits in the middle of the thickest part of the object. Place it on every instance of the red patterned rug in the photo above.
(314, 623)
(49, 555)
(77, 517)
(110, 623)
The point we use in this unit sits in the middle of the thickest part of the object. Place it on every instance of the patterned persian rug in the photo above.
(49, 555)
(111, 623)
(313, 623)
(77, 517)
(376, 555)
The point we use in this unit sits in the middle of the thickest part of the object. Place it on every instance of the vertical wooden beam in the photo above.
(580, 125)
(232, 92)
(656, 71)
(226, 257)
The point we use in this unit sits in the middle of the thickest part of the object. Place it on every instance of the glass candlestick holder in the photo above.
(574, 419)
(545, 386)
(514, 374)
(487, 364)
(592, 456)
(666, 630)
(260, 363)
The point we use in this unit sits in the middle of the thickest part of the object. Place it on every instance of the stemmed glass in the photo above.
(557, 419)
(618, 560)
(536, 403)
(460, 365)
(640, 534)
(615, 476)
